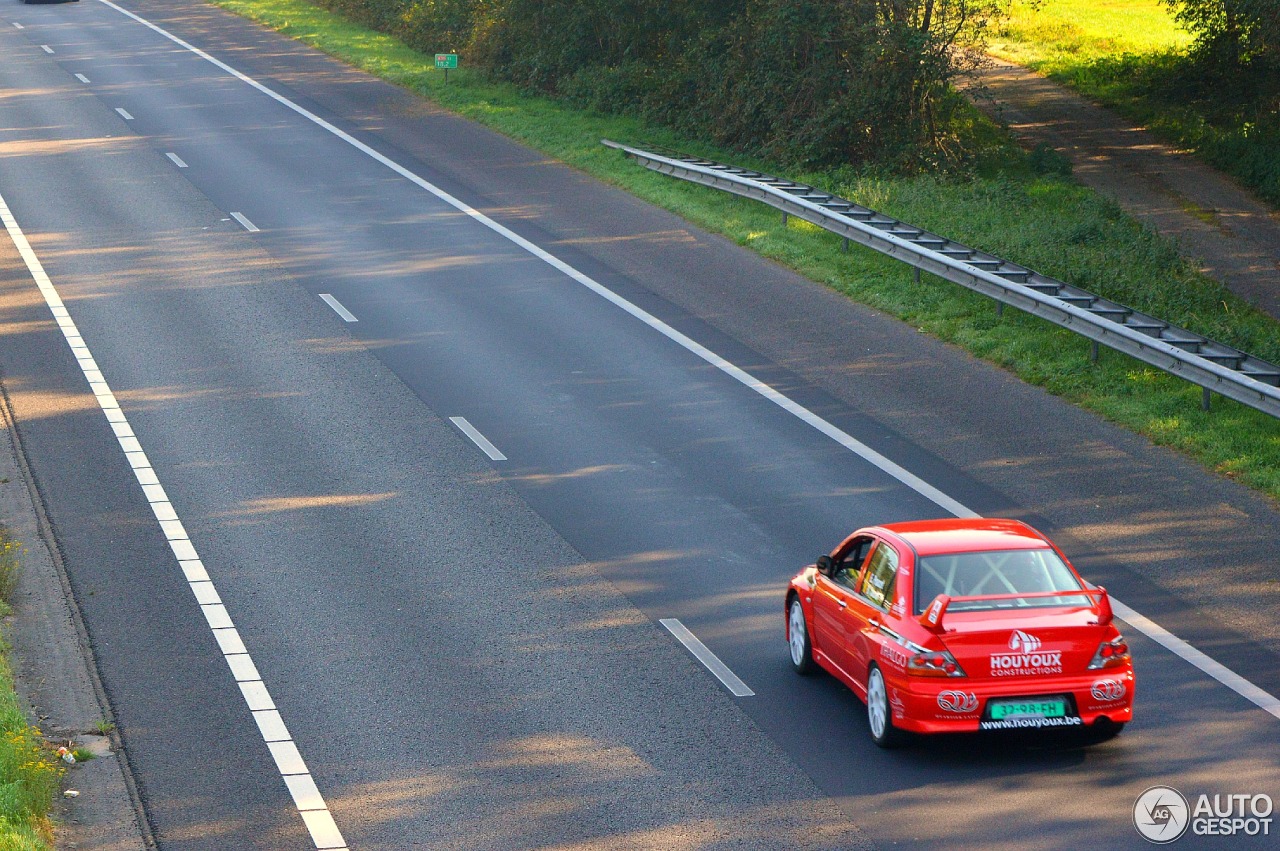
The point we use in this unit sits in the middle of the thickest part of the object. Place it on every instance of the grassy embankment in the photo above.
(29, 773)
(1131, 55)
(1047, 223)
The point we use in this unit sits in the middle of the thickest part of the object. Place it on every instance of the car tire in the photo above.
(880, 714)
(798, 639)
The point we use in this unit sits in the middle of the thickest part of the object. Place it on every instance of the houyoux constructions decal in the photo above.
(1025, 657)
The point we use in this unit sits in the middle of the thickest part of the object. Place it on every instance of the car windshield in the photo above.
(1007, 572)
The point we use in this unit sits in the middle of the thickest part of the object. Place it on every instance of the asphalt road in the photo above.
(465, 650)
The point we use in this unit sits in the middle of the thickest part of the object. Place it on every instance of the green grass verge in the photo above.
(1131, 55)
(29, 773)
(1061, 34)
(1046, 223)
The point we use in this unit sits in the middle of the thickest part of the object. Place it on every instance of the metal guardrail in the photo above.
(1214, 366)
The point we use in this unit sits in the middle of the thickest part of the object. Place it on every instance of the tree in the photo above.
(1232, 33)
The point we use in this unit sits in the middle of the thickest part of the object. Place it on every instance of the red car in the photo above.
(949, 626)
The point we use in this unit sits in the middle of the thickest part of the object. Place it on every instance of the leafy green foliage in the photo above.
(805, 81)
(1232, 34)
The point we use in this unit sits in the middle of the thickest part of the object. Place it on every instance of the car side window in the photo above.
(850, 562)
(881, 576)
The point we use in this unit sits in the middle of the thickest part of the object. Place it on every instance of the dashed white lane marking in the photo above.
(177, 160)
(46, 48)
(19, 26)
(124, 113)
(347, 315)
(704, 655)
(478, 439)
(306, 797)
(82, 78)
(244, 222)
(1249, 692)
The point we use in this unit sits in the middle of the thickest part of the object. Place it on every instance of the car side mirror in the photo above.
(826, 565)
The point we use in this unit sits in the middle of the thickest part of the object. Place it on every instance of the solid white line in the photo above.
(1229, 678)
(865, 452)
(82, 78)
(124, 114)
(320, 824)
(177, 160)
(244, 222)
(704, 655)
(346, 315)
(478, 439)
(46, 48)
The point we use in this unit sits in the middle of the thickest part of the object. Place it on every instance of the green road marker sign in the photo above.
(446, 61)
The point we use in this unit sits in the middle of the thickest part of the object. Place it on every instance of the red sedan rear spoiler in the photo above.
(932, 617)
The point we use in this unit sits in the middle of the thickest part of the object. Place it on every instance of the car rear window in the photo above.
(1005, 572)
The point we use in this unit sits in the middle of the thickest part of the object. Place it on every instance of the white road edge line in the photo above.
(177, 160)
(478, 439)
(704, 655)
(346, 315)
(82, 78)
(244, 222)
(1248, 690)
(311, 806)
(124, 113)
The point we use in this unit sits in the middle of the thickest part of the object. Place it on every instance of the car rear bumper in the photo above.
(937, 705)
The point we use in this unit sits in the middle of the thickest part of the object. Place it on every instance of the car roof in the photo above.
(966, 535)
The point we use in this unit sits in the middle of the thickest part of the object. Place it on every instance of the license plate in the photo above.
(1028, 709)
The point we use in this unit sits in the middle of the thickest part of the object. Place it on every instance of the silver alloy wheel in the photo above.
(796, 633)
(877, 704)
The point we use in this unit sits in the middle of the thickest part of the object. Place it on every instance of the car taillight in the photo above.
(934, 663)
(1110, 654)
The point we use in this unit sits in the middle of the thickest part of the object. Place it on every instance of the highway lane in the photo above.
(363, 566)
(692, 495)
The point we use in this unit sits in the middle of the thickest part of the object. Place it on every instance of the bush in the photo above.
(806, 81)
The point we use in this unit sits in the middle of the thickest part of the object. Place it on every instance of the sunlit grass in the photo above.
(1046, 223)
(1059, 34)
(1131, 55)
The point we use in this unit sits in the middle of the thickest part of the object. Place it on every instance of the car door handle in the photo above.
(843, 604)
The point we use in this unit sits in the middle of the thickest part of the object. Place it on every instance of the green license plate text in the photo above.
(1035, 708)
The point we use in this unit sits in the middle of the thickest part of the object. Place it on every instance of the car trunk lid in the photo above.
(1024, 644)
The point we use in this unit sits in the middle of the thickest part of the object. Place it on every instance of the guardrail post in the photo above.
(1205, 398)
(1093, 352)
(844, 246)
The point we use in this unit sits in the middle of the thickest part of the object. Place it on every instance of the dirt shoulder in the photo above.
(1232, 234)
